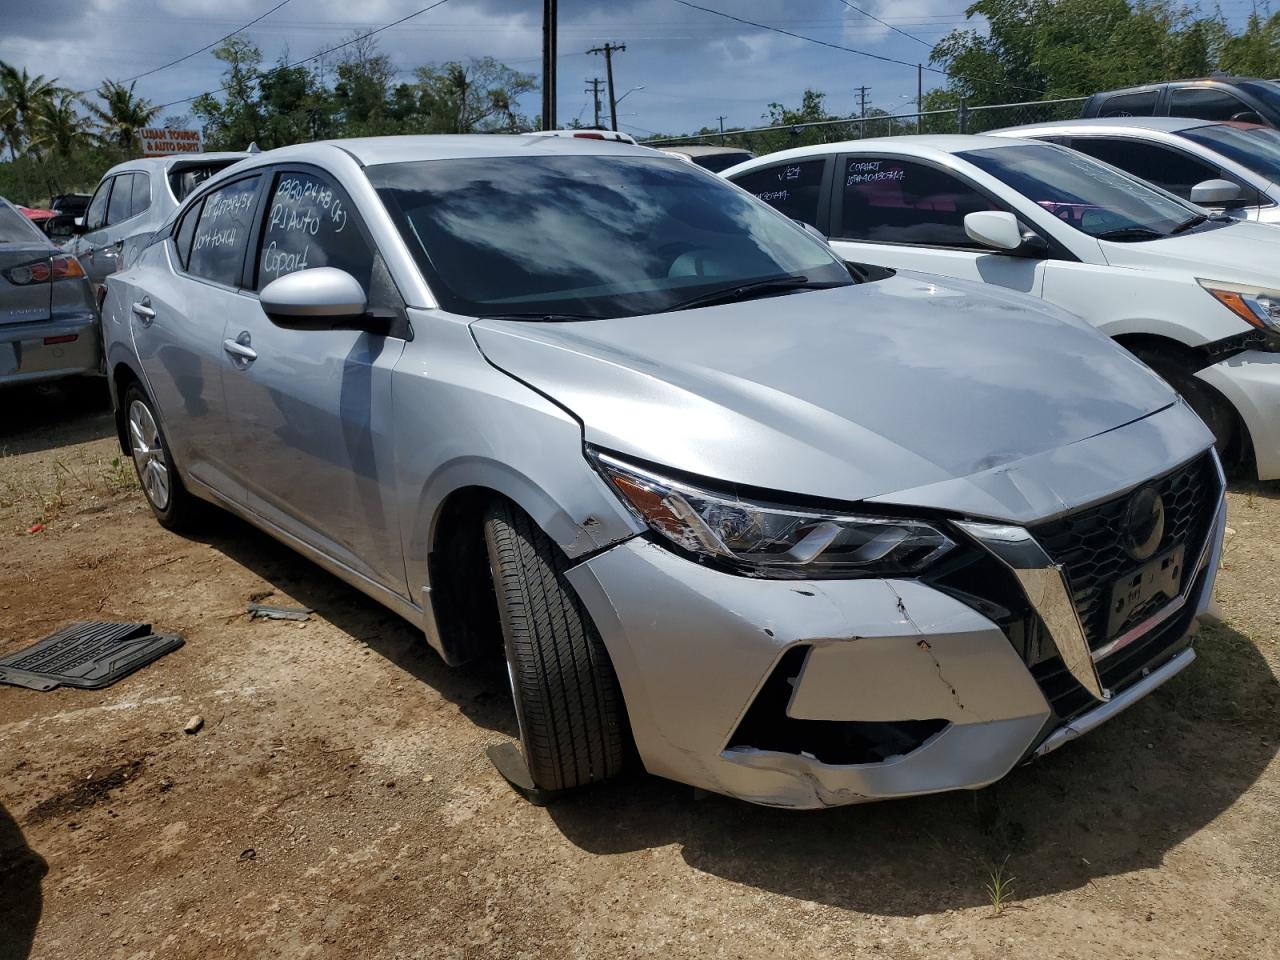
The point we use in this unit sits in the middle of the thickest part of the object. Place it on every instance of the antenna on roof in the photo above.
(253, 148)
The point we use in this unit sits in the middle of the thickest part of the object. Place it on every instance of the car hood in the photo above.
(845, 394)
(1244, 252)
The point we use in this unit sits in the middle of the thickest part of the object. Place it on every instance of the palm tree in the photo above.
(121, 115)
(24, 98)
(60, 129)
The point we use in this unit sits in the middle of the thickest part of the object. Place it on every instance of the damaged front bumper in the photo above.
(809, 694)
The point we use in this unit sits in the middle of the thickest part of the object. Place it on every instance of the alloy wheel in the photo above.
(148, 454)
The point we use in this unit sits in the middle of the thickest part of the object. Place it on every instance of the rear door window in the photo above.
(1206, 103)
(141, 192)
(791, 188)
(1166, 167)
(95, 218)
(901, 201)
(311, 223)
(1141, 104)
(221, 234)
(121, 206)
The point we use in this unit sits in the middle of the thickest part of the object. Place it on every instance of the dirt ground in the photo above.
(338, 802)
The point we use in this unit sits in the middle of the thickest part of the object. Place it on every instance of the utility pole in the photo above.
(862, 110)
(609, 49)
(919, 98)
(722, 120)
(595, 96)
(548, 64)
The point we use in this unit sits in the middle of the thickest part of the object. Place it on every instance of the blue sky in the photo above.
(694, 66)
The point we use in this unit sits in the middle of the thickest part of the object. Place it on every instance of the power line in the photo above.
(194, 53)
(861, 53)
(887, 24)
(314, 56)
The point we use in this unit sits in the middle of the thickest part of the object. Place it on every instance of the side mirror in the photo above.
(322, 298)
(1214, 193)
(1001, 231)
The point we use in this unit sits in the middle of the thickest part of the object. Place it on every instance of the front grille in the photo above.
(1125, 667)
(1090, 544)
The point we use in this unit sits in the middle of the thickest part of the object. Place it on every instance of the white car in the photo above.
(1180, 155)
(1197, 297)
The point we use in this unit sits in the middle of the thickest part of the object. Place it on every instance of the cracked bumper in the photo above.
(694, 646)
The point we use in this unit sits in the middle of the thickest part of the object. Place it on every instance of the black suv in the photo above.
(1215, 98)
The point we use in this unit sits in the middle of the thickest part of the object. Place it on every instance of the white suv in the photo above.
(1194, 295)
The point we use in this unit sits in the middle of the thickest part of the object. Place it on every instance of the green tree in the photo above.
(22, 98)
(60, 130)
(476, 97)
(121, 115)
(233, 120)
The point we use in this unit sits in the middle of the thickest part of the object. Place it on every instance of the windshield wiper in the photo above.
(1122, 234)
(1190, 222)
(743, 290)
(540, 316)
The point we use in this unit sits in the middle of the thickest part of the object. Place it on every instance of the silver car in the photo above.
(132, 200)
(798, 539)
(48, 320)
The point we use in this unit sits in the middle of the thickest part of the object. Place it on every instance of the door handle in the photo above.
(143, 312)
(241, 353)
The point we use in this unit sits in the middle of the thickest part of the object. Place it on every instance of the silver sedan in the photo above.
(782, 528)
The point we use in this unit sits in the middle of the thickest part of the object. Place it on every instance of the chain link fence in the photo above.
(963, 119)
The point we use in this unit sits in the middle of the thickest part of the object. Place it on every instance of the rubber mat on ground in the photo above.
(90, 655)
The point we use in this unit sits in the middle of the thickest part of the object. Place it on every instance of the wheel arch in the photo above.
(445, 552)
(122, 375)
(1241, 449)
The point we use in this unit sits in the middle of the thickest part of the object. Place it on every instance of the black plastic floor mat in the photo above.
(90, 655)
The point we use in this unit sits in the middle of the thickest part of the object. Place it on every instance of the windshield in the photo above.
(1268, 91)
(16, 228)
(589, 236)
(1254, 148)
(1093, 197)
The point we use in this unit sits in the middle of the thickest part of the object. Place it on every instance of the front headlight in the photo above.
(769, 540)
(1256, 306)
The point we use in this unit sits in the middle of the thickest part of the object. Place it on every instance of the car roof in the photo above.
(919, 145)
(371, 151)
(165, 163)
(702, 150)
(1160, 124)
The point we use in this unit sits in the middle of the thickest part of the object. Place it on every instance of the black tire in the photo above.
(1179, 372)
(179, 510)
(567, 700)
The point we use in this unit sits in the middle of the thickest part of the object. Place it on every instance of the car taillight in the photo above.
(66, 267)
(61, 266)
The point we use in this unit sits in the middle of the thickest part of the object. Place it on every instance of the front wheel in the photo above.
(169, 500)
(567, 700)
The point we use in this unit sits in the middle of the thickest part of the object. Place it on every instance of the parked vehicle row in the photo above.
(800, 533)
(1232, 168)
(131, 201)
(1193, 294)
